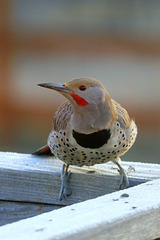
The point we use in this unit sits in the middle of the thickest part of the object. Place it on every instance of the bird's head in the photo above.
(81, 91)
(87, 95)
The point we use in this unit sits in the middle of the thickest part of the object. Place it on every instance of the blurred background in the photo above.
(117, 42)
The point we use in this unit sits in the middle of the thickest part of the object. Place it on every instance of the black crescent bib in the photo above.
(92, 140)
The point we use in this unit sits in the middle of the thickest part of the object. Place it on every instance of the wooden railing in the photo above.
(96, 209)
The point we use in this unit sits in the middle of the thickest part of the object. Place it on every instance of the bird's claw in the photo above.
(123, 176)
(65, 188)
(131, 167)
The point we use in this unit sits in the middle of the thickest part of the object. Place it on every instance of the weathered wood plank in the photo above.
(132, 214)
(27, 178)
(15, 211)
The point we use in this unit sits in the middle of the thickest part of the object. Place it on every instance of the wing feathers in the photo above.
(65, 111)
(123, 116)
(62, 116)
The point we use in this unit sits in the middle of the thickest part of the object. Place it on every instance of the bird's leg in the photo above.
(65, 188)
(123, 177)
(123, 173)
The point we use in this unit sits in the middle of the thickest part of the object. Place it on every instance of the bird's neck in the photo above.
(94, 117)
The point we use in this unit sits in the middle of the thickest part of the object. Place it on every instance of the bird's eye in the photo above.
(82, 87)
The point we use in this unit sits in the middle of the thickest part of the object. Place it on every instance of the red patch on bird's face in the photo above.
(80, 101)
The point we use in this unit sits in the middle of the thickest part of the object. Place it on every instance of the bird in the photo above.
(89, 128)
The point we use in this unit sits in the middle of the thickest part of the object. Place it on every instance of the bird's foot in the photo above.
(65, 188)
(124, 176)
(131, 167)
(124, 182)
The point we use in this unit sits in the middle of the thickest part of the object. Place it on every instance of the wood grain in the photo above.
(133, 213)
(27, 178)
(14, 211)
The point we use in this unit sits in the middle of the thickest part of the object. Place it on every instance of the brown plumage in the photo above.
(64, 112)
(62, 116)
(123, 117)
(89, 128)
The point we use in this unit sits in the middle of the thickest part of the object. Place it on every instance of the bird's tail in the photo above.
(43, 151)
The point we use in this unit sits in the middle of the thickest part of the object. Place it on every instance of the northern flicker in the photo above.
(89, 128)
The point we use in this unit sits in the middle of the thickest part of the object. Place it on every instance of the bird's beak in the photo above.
(57, 87)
